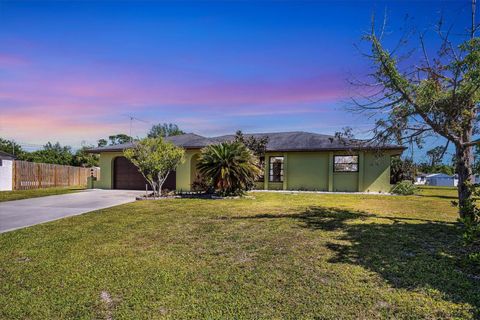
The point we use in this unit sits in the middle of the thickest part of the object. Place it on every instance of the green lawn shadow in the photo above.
(409, 253)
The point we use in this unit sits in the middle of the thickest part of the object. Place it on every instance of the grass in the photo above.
(34, 193)
(278, 256)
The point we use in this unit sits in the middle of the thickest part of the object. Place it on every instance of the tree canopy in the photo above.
(82, 158)
(11, 147)
(155, 158)
(257, 145)
(51, 153)
(164, 130)
(438, 95)
(119, 138)
(401, 170)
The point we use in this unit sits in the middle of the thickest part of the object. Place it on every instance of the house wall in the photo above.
(442, 181)
(6, 179)
(302, 171)
(106, 168)
(184, 173)
(187, 170)
(314, 171)
(376, 171)
(346, 181)
(307, 171)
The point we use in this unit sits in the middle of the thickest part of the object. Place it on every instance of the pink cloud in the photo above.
(77, 104)
(140, 86)
(39, 128)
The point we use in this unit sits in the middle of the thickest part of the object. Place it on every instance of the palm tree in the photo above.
(231, 166)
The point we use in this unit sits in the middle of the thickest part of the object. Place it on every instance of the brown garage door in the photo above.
(126, 176)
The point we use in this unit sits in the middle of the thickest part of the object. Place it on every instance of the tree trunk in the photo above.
(464, 159)
(154, 189)
(161, 181)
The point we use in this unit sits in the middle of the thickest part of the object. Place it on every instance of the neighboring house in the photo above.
(293, 161)
(476, 179)
(421, 178)
(441, 180)
(6, 171)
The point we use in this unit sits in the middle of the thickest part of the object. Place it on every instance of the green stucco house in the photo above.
(293, 161)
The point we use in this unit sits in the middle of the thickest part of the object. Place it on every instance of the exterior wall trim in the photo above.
(330, 171)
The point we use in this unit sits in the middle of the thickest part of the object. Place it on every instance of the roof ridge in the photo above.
(275, 132)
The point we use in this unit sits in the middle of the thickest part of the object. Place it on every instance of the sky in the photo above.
(74, 72)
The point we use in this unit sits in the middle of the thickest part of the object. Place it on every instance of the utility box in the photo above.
(91, 182)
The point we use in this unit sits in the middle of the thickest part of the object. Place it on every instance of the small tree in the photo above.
(439, 95)
(401, 170)
(231, 167)
(84, 159)
(155, 159)
(257, 145)
(102, 143)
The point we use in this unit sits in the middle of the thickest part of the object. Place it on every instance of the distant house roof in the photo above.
(277, 141)
(439, 175)
(7, 156)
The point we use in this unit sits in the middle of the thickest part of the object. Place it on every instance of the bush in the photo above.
(200, 184)
(231, 167)
(404, 188)
(471, 223)
(471, 233)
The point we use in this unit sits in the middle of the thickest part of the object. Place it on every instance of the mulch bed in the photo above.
(188, 195)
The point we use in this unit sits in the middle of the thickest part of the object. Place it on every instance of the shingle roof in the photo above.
(277, 141)
(7, 156)
(187, 141)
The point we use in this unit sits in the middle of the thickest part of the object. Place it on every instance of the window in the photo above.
(345, 163)
(276, 169)
(261, 163)
(1, 163)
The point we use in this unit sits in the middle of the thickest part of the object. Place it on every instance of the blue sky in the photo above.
(73, 71)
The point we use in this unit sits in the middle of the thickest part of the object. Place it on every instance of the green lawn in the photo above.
(278, 256)
(34, 193)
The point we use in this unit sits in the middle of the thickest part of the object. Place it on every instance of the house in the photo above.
(421, 178)
(476, 179)
(293, 161)
(6, 171)
(441, 180)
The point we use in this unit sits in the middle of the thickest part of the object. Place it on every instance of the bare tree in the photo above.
(439, 96)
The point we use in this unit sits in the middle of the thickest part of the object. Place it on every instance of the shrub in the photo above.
(231, 167)
(471, 223)
(405, 188)
(201, 184)
(471, 233)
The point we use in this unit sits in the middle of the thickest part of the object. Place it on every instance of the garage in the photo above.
(127, 177)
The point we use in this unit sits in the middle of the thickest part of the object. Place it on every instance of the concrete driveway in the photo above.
(28, 212)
